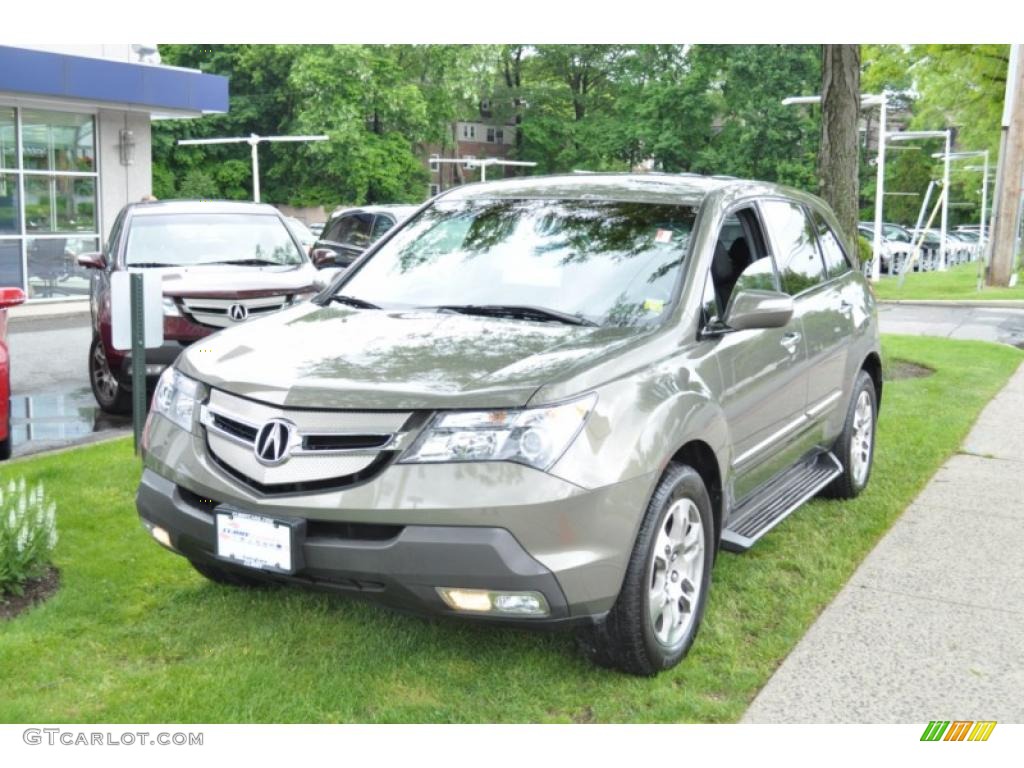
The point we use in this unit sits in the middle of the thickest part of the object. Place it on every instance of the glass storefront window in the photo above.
(60, 203)
(10, 263)
(8, 140)
(10, 214)
(53, 271)
(57, 141)
(48, 201)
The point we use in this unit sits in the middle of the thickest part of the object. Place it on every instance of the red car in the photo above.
(9, 297)
(221, 263)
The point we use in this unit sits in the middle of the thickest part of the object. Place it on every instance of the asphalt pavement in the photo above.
(51, 402)
(999, 324)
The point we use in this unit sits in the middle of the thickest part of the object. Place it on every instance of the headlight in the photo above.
(176, 398)
(534, 436)
(170, 307)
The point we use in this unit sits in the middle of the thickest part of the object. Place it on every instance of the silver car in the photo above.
(546, 401)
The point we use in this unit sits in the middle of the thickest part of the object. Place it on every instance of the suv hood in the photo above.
(233, 282)
(310, 356)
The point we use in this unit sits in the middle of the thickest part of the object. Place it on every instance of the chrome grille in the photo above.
(217, 312)
(325, 448)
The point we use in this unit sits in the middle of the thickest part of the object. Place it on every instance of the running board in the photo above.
(770, 505)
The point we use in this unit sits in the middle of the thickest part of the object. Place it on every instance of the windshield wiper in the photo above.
(149, 264)
(246, 263)
(521, 311)
(352, 301)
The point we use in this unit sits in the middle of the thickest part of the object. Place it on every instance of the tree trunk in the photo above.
(1005, 223)
(838, 168)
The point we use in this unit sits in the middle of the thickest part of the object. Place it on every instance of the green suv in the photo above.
(545, 401)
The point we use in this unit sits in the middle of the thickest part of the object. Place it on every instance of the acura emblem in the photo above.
(238, 312)
(273, 441)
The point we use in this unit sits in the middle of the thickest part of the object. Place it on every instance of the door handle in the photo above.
(790, 341)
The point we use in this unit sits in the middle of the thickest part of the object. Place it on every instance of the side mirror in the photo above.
(323, 257)
(11, 297)
(92, 260)
(758, 309)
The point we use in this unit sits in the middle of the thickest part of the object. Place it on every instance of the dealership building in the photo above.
(75, 147)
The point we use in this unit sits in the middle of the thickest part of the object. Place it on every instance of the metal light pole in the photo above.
(984, 185)
(948, 136)
(253, 140)
(881, 101)
(481, 163)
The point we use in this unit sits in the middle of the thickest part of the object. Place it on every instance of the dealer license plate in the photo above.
(258, 542)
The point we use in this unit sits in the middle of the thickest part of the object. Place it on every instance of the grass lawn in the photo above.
(135, 635)
(959, 282)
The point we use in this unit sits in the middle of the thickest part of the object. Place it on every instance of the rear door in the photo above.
(819, 302)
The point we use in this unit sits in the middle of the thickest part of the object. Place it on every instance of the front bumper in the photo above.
(401, 571)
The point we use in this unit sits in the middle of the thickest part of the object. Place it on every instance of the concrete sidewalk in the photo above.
(931, 626)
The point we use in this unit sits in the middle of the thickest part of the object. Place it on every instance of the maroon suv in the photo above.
(221, 262)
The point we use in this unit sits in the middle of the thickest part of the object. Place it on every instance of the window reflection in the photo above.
(8, 140)
(57, 141)
(60, 204)
(613, 263)
(10, 215)
(53, 271)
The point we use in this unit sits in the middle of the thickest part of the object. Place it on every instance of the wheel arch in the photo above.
(873, 365)
(699, 455)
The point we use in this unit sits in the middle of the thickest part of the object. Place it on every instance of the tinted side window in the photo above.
(796, 251)
(836, 261)
(381, 225)
(115, 237)
(332, 229)
(355, 230)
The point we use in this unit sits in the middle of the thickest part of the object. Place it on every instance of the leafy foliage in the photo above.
(714, 109)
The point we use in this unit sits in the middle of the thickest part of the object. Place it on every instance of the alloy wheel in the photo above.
(675, 573)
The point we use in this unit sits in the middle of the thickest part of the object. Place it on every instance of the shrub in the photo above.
(28, 534)
(865, 250)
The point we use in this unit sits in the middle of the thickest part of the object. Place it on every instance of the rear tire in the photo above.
(658, 611)
(111, 396)
(855, 447)
(229, 578)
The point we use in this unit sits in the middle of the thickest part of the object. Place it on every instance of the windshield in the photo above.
(609, 263)
(301, 232)
(193, 239)
(893, 232)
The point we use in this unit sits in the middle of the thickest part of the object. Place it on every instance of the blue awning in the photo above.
(40, 73)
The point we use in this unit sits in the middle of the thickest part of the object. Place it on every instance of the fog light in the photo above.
(489, 601)
(160, 534)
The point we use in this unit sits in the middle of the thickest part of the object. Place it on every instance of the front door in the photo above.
(764, 386)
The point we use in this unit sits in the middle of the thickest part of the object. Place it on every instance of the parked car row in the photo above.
(548, 402)
(900, 243)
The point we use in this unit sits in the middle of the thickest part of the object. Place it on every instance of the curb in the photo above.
(107, 436)
(974, 303)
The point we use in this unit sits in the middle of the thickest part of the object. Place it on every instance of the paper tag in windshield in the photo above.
(654, 305)
(663, 236)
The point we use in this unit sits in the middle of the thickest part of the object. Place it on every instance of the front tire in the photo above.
(108, 391)
(855, 447)
(658, 611)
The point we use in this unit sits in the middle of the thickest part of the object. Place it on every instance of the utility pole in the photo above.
(1010, 174)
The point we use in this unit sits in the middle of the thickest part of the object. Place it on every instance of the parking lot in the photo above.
(51, 403)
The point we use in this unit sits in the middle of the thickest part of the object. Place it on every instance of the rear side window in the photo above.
(354, 230)
(381, 225)
(836, 262)
(795, 243)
